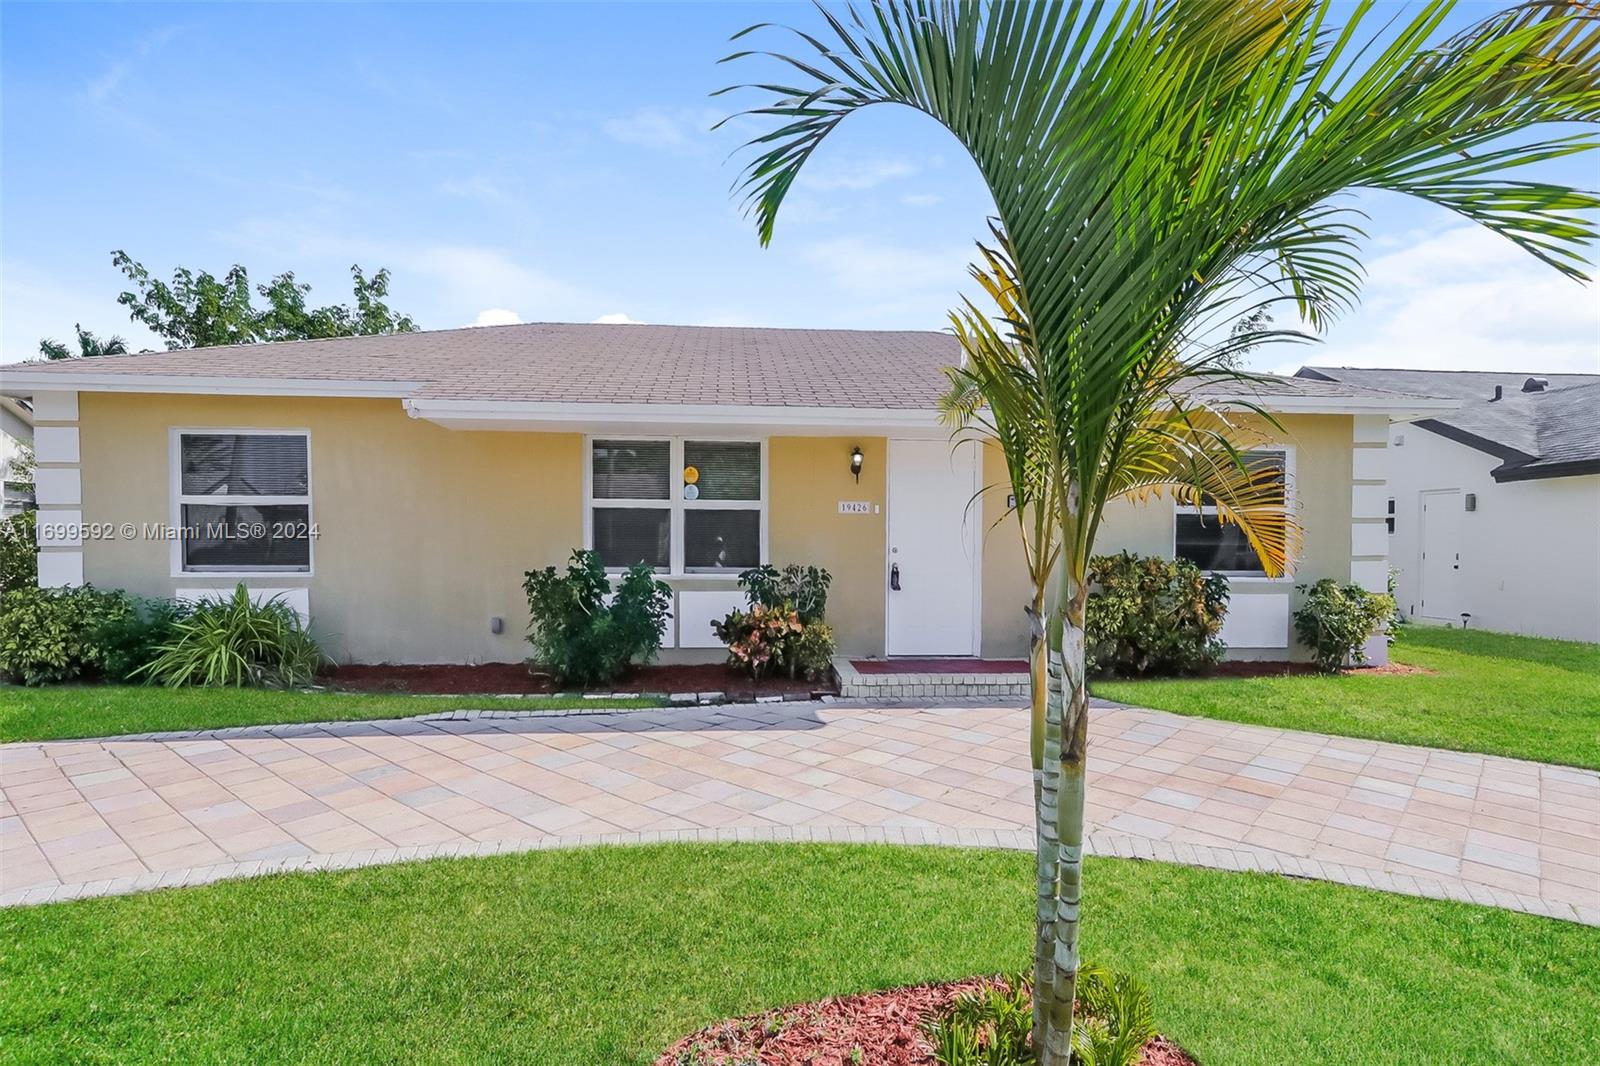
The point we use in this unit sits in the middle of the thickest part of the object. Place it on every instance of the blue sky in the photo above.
(554, 162)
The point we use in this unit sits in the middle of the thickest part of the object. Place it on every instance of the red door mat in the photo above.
(940, 666)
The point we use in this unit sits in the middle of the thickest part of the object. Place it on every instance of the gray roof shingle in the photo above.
(592, 363)
(1548, 432)
(562, 363)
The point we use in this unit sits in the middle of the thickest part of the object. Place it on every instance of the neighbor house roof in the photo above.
(1539, 425)
(499, 375)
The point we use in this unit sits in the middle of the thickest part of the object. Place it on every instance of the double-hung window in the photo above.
(1205, 540)
(243, 501)
(680, 506)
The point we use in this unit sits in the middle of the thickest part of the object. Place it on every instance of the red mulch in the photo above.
(1239, 668)
(877, 1028)
(515, 679)
(940, 666)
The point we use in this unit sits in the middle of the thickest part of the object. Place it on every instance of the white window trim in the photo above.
(1291, 502)
(675, 503)
(175, 436)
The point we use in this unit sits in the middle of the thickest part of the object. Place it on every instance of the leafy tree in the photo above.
(199, 310)
(1160, 169)
(89, 346)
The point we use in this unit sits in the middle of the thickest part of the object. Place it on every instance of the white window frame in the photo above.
(675, 503)
(175, 437)
(1291, 503)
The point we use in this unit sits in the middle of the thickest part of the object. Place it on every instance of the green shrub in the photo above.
(758, 639)
(19, 562)
(235, 642)
(1335, 621)
(1153, 616)
(801, 589)
(129, 641)
(52, 635)
(1114, 1020)
(813, 652)
(581, 639)
(783, 630)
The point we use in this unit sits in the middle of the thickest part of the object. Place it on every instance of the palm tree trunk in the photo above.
(1045, 747)
(1067, 744)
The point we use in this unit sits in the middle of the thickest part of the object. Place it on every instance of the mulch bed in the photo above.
(515, 679)
(1238, 668)
(872, 1029)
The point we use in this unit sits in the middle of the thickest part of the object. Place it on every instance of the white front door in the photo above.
(934, 540)
(1440, 586)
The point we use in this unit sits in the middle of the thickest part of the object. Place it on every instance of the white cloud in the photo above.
(860, 172)
(1463, 298)
(111, 79)
(672, 129)
(921, 199)
(39, 305)
(496, 316)
(617, 318)
(478, 188)
(435, 282)
(868, 267)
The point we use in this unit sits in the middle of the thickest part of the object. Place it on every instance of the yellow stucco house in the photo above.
(394, 489)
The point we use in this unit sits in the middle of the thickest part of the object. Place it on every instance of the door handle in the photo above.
(894, 576)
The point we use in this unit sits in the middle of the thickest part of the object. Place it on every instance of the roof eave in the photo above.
(30, 383)
(1544, 471)
(624, 418)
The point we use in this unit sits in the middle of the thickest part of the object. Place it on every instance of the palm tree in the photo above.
(1161, 169)
(89, 346)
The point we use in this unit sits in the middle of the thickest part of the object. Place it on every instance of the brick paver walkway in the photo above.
(108, 816)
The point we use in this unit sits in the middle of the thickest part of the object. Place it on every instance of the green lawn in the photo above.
(605, 956)
(1488, 692)
(60, 711)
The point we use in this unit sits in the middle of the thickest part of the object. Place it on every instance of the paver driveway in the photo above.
(106, 816)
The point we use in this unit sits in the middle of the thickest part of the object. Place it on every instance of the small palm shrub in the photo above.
(1335, 621)
(235, 642)
(992, 1026)
(988, 1027)
(19, 562)
(53, 635)
(1115, 1019)
(581, 638)
(1148, 615)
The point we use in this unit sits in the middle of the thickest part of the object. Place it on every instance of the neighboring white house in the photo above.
(1494, 510)
(16, 430)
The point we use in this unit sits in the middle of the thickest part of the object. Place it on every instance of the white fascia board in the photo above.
(648, 417)
(24, 383)
(1398, 409)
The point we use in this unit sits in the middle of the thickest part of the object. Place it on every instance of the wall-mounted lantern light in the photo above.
(855, 463)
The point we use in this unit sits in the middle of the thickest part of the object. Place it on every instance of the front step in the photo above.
(903, 679)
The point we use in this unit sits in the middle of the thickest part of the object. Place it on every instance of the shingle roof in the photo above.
(569, 363)
(572, 363)
(1551, 431)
